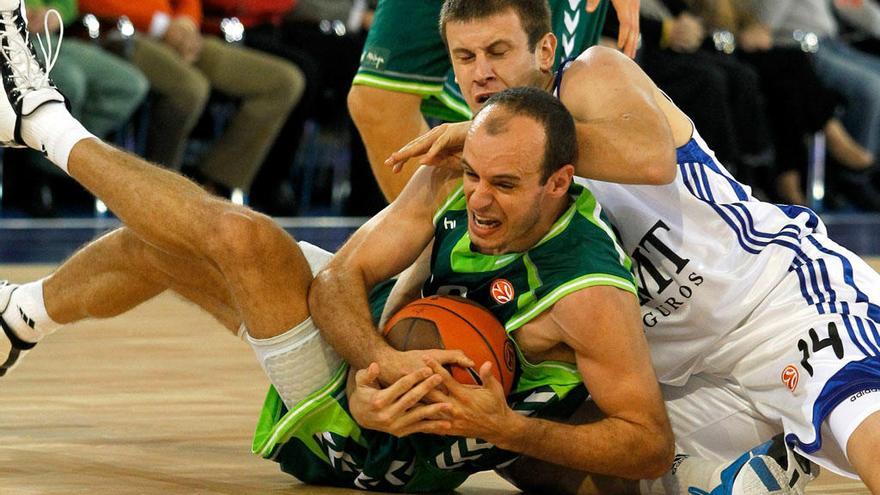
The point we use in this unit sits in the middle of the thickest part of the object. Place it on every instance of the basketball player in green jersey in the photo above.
(521, 211)
(517, 237)
(405, 71)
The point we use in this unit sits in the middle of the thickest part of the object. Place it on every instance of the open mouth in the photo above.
(485, 223)
(483, 98)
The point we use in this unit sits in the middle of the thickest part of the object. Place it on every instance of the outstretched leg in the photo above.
(263, 274)
(119, 271)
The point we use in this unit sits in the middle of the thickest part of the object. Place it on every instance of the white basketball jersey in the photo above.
(705, 254)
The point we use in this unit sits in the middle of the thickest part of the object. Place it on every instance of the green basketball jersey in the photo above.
(579, 251)
(317, 440)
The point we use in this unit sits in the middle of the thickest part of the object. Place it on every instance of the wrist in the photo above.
(512, 430)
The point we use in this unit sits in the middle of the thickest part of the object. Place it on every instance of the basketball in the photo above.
(447, 322)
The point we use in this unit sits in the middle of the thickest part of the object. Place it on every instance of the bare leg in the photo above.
(844, 148)
(386, 120)
(863, 452)
(119, 271)
(788, 185)
(263, 268)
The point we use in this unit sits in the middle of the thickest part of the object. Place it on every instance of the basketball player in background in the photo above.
(758, 323)
(404, 74)
(248, 273)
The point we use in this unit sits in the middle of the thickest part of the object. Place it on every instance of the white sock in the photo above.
(686, 472)
(53, 130)
(27, 315)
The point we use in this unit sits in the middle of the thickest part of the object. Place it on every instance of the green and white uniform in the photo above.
(404, 51)
(317, 440)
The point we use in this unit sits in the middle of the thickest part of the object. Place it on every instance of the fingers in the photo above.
(414, 148)
(451, 356)
(628, 15)
(591, 5)
(628, 41)
(489, 380)
(368, 377)
(401, 386)
(448, 381)
(415, 394)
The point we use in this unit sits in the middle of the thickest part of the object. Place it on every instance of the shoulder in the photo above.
(602, 74)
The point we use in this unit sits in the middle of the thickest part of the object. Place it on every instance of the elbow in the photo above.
(658, 455)
(662, 169)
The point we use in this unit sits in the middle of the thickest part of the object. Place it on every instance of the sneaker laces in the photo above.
(28, 75)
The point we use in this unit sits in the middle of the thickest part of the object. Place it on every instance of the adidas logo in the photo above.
(25, 318)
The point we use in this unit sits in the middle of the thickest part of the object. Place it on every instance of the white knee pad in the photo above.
(297, 362)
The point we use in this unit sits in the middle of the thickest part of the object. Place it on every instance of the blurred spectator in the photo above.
(103, 90)
(798, 103)
(183, 66)
(324, 38)
(721, 94)
(811, 25)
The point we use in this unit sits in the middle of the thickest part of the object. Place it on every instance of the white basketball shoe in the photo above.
(26, 82)
(771, 468)
(12, 348)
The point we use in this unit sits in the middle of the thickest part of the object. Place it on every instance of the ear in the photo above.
(545, 51)
(560, 181)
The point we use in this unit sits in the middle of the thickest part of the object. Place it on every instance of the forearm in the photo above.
(339, 307)
(632, 149)
(611, 446)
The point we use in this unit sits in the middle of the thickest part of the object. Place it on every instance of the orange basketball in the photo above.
(447, 322)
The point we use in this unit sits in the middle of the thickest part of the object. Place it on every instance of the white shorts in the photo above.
(810, 348)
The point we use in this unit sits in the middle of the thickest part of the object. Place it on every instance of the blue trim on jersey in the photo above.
(743, 226)
(864, 333)
(852, 335)
(826, 281)
(861, 297)
(794, 211)
(855, 377)
(814, 279)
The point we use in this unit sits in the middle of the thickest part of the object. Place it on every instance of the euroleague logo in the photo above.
(790, 377)
(509, 356)
(501, 290)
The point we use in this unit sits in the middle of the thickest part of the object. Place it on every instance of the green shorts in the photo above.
(318, 441)
(404, 51)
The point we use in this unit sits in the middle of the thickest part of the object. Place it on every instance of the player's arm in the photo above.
(408, 287)
(624, 135)
(380, 249)
(633, 440)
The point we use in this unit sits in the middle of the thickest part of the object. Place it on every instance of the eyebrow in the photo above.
(494, 45)
(509, 177)
(498, 42)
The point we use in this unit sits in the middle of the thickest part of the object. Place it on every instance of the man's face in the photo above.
(492, 54)
(502, 185)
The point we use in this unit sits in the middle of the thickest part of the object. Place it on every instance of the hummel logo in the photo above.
(448, 224)
(26, 319)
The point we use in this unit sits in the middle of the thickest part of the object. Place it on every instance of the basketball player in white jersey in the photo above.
(758, 322)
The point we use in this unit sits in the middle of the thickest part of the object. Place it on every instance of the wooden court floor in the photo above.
(161, 400)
